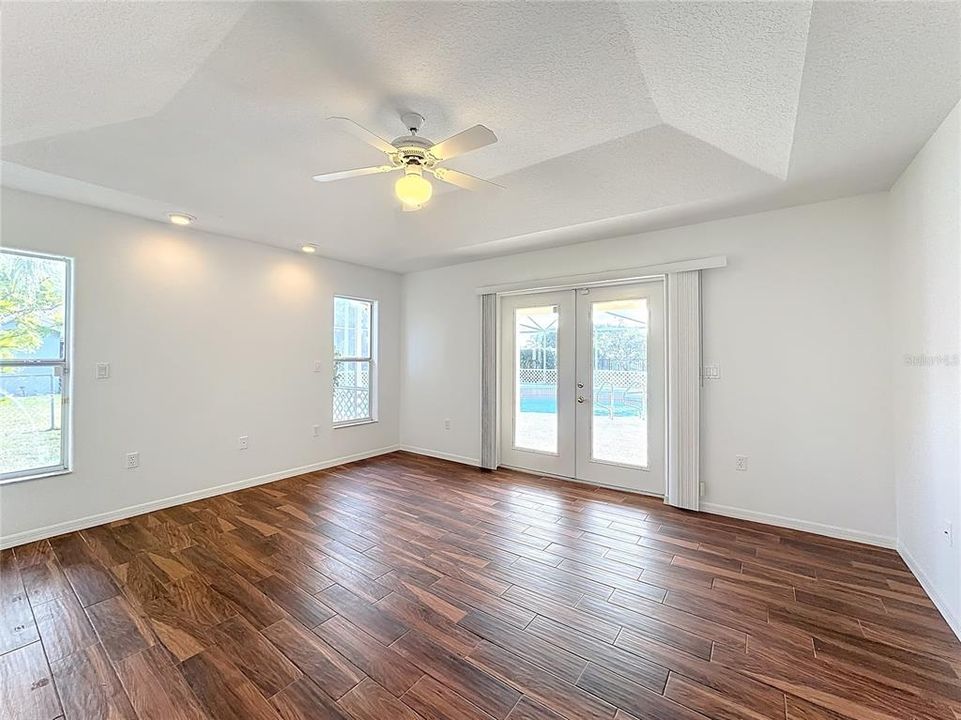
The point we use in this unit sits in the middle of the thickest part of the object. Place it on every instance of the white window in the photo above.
(34, 364)
(354, 346)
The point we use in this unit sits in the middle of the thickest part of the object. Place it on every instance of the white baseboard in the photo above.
(952, 619)
(462, 459)
(805, 525)
(133, 510)
(727, 511)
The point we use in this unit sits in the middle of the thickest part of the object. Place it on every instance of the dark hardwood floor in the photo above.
(409, 588)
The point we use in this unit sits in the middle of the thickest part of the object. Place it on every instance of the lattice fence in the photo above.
(633, 380)
(538, 376)
(352, 392)
(624, 380)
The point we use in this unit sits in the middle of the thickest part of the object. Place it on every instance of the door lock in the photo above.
(580, 385)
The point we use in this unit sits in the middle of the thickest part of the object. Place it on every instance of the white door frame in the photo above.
(622, 276)
(652, 478)
(561, 464)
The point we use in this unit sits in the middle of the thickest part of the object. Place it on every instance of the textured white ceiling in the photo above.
(612, 117)
(70, 66)
(728, 73)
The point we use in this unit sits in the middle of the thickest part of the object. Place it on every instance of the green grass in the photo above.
(26, 437)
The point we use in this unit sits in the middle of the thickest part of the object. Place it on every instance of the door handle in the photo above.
(580, 385)
(580, 398)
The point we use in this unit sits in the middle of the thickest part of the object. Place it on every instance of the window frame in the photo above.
(64, 364)
(370, 359)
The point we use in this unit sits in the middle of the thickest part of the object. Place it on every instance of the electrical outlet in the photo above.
(740, 463)
(702, 489)
(242, 442)
(447, 423)
(318, 366)
(316, 430)
(103, 370)
(132, 460)
(948, 532)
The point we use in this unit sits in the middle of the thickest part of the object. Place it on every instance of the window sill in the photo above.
(354, 423)
(38, 476)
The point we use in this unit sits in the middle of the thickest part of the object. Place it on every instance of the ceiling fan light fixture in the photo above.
(413, 189)
(414, 154)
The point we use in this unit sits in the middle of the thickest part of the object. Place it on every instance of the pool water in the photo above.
(543, 399)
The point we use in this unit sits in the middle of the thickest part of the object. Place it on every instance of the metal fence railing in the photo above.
(29, 403)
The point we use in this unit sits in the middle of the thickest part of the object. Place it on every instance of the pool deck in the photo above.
(617, 439)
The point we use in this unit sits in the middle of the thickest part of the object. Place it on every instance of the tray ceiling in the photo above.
(611, 117)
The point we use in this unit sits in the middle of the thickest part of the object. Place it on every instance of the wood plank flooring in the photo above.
(409, 588)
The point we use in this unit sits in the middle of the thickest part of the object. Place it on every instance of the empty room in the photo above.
(480, 360)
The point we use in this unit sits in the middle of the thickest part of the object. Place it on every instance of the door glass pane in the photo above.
(30, 422)
(619, 373)
(535, 378)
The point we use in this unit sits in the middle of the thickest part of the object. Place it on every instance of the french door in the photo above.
(537, 380)
(582, 385)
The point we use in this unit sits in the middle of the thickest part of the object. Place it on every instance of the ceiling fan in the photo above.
(416, 155)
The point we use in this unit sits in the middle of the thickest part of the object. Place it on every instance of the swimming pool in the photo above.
(543, 399)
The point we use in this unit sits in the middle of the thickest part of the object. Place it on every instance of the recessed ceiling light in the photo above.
(308, 248)
(178, 218)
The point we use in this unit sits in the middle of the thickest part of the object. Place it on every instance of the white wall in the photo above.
(798, 323)
(926, 205)
(208, 338)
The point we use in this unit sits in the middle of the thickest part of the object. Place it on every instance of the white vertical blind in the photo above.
(684, 388)
(489, 381)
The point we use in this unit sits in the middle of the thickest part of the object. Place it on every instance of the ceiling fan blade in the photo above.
(330, 177)
(362, 133)
(463, 142)
(463, 180)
